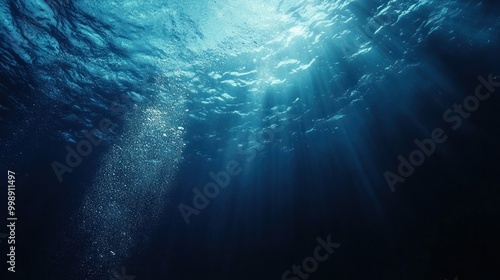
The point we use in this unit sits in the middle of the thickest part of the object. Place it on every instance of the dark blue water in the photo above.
(221, 139)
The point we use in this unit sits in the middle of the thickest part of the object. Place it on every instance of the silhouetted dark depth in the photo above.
(286, 140)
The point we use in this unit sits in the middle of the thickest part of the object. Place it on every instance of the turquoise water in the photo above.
(310, 101)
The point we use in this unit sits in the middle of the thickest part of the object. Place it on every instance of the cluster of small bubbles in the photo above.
(132, 182)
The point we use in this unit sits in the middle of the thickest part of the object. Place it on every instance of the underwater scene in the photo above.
(279, 139)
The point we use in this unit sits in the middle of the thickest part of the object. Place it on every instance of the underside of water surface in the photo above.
(227, 139)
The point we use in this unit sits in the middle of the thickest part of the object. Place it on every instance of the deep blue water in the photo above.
(112, 113)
